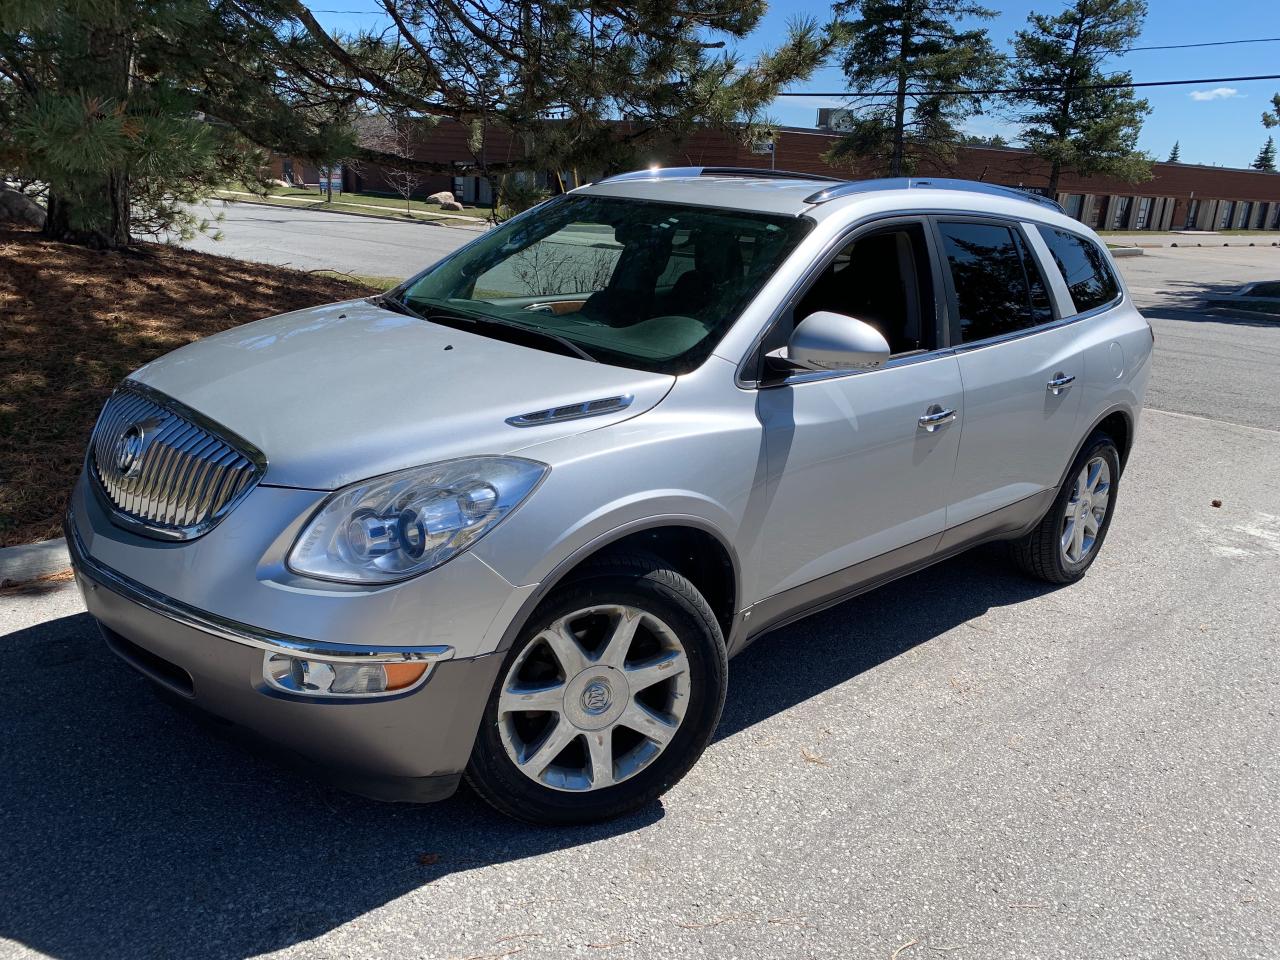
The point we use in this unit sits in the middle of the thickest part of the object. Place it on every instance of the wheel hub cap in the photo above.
(595, 698)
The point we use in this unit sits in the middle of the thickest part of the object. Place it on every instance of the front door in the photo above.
(854, 474)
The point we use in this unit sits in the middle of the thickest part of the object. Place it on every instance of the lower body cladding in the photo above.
(410, 745)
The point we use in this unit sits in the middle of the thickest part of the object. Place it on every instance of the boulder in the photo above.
(443, 197)
(17, 207)
(450, 205)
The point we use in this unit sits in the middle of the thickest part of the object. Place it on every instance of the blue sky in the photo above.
(1215, 126)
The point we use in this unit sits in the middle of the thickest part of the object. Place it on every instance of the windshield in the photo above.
(652, 286)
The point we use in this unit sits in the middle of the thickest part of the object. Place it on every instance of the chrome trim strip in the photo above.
(572, 411)
(232, 630)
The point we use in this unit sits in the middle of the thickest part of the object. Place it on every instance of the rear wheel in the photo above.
(1065, 543)
(607, 698)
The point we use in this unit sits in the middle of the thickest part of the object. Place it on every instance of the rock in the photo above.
(443, 197)
(17, 207)
(450, 205)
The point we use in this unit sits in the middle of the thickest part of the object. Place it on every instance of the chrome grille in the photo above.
(165, 471)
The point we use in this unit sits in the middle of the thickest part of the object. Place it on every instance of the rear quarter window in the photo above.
(1083, 266)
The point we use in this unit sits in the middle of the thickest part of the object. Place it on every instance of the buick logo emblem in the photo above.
(129, 450)
(596, 697)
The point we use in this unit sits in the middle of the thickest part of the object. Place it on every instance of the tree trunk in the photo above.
(897, 159)
(96, 212)
(1055, 172)
(105, 226)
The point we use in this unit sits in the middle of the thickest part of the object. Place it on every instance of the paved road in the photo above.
(965, 764)
(317, 240)
(1215, 364)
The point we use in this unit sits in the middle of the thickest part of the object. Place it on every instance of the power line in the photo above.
(1210, 43)
(850, 94)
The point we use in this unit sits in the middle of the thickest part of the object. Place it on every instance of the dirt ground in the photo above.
(74, 322)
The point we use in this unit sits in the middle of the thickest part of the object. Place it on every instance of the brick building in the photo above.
(1179, 196)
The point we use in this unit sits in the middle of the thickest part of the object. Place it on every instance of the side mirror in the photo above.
(833, 341)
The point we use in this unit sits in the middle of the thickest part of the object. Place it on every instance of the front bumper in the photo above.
(411, 745)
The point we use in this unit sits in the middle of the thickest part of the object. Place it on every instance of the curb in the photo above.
(31, 561)
(442, 222)
(1127, 251)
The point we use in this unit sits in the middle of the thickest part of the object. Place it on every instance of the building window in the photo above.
(1144, 212)
(1120, 207)
(1228, 211)
(1074, 206)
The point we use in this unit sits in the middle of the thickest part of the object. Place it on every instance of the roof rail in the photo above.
(663, 173)
(848, 188)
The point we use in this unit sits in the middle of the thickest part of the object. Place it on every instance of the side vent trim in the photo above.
(572, 411)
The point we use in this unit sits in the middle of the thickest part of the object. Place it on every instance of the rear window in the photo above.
(1084, 268)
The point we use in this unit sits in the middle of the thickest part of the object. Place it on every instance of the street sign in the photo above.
(331, 179)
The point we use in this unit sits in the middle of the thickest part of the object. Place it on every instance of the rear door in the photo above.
(1020, 366)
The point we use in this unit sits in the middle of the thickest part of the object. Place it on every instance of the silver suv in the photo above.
(512, 518)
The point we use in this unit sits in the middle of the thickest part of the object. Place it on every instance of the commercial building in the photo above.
(1179, 196)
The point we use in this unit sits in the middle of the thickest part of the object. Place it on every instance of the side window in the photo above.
(995, 294)
(1084, 267)
(883, 279)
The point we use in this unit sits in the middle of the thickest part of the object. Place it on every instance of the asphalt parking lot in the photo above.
(963, 764)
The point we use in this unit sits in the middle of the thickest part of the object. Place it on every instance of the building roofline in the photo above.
(835, 134)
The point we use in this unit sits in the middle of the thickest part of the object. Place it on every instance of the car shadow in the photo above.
(128, 830)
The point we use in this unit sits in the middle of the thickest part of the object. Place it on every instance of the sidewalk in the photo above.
(1193, 238)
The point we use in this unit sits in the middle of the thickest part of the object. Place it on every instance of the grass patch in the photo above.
(361, 202)
(369, 280)
(74, 322)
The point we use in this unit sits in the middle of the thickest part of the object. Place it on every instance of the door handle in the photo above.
(1059, 383)
(937, 417)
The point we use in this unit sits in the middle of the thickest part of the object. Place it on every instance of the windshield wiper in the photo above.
(388, 302)
(536, 332)
(466, 317)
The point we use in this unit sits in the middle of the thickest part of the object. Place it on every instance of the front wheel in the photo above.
(606, 699)
(1066, 542)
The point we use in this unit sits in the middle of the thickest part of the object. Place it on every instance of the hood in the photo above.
(348, 391)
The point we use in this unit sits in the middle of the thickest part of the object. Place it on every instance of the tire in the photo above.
(586, 781)
(1041, 553)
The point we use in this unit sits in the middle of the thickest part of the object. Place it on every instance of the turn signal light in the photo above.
(327, 678)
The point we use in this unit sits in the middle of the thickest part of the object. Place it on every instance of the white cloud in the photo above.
(1217, 93)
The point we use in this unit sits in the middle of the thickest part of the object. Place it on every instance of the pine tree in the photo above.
(1271, 118)
(1175, 155)
(905, 51)
(95, 109)
(1266, 159)
(549, 78)
(1068, 122)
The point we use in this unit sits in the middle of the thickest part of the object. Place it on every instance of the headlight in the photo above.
(402, 524)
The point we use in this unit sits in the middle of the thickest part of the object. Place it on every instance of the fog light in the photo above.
(327, 678)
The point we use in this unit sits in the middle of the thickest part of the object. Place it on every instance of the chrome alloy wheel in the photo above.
(1086, 510)
(594, 698)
